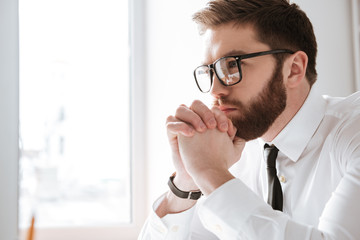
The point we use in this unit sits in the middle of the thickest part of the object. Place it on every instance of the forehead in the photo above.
(229, 39)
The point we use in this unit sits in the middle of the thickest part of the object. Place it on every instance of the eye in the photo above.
(232, 63)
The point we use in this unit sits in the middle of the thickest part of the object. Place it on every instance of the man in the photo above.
(298, 176)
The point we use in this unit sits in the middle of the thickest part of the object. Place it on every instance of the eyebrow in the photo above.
(230, 53)
(234, 52)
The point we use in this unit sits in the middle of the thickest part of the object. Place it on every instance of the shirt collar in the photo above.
(293, 139)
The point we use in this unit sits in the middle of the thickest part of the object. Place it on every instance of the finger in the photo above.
(204, 112)
(221, 119)
(188, 116)
(232, 130)
(175, 127)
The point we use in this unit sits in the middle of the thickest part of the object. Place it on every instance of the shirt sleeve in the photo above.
(172, 226)
(341, 215)
(234, 210)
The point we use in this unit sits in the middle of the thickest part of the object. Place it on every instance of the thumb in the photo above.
(231, 130)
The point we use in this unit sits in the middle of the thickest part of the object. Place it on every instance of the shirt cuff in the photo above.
(171, 226)
(226, 210)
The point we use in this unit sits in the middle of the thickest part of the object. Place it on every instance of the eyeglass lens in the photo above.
(226, 69)
(203, 78)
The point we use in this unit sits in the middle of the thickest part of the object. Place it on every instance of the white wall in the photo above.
(8, 118)
(173, 50)
(333, 29)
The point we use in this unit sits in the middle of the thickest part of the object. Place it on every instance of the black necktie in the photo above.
(275, 196)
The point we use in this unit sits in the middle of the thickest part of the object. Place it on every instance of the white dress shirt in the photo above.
(318, 166)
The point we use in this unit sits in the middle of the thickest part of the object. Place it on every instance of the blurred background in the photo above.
(85, 89)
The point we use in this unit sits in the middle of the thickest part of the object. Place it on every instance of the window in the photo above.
(75, 131)
(356, 39)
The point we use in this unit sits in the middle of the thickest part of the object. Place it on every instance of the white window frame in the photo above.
(9, 116)
(355, 5)
(9, 129)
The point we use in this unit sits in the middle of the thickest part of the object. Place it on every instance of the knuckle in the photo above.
(179, 110)
(201, 109)
(214, 107)
(169, 119)
(196, 102)
(197, 122)
(208, 115)
(216, 110)
(222, 118)
(172, 127)
(219, 114)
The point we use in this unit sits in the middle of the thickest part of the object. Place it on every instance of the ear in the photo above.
(295, 69)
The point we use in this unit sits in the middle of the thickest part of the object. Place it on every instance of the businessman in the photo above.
(272, 159)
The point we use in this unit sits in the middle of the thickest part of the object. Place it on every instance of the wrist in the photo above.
(192, 194)
(175, 204)
(211, 179)
(184, 182)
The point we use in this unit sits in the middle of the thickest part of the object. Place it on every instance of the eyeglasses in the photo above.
(227, 70)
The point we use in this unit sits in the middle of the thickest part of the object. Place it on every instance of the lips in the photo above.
(227, 109)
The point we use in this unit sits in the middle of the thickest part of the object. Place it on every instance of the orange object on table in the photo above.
(30, 235)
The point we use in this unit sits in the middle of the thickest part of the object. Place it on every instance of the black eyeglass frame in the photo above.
(238, 58)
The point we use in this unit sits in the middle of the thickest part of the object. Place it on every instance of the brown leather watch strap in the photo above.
(181, 194)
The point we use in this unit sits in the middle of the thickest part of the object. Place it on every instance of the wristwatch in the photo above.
(181, 194)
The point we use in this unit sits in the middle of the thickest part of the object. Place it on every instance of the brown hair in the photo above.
(278, 23)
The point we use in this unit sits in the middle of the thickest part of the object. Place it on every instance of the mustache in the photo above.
(226, 101)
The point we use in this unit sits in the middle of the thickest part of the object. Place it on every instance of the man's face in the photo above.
(254, 103)
(258, 115)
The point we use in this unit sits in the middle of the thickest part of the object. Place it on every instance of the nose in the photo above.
(218, 89)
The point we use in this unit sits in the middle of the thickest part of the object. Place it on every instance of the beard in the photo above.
(262, 111)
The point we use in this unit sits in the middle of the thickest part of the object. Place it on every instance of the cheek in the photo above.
(254, 80)
(258, 72)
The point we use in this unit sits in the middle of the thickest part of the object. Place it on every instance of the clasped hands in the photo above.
(204, 146)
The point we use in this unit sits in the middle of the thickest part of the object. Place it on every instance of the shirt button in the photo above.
(175, 228)
(282, 179)
(218, 228)
(160, 228)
